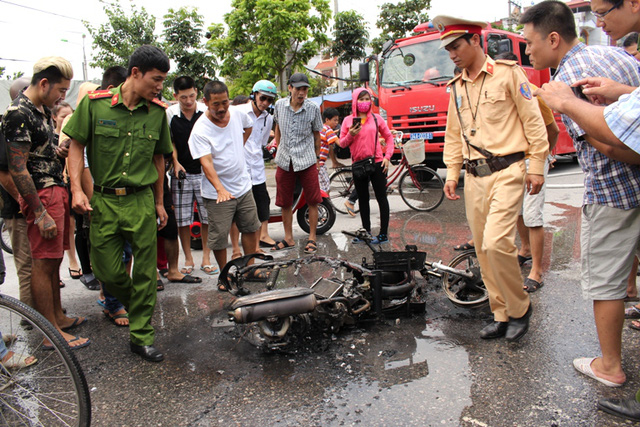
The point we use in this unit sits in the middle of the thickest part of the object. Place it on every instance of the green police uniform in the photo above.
(120, 146)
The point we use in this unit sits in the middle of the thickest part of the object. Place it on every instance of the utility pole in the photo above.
(340, 75)
(84, 59)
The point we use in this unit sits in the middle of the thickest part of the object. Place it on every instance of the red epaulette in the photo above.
(99, 94)
(160, 103)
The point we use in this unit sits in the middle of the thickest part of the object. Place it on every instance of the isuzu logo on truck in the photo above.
(422, 109)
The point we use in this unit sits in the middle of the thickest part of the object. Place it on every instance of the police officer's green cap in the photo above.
(452, 28)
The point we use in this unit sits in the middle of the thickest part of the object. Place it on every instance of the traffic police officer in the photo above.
(126, 134)
(493, 123)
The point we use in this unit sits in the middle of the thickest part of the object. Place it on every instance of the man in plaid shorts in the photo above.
(187, 179)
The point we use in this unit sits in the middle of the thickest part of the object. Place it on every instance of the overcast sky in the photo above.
(31, 29)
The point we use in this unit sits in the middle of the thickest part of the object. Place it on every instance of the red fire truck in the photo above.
(409, 82)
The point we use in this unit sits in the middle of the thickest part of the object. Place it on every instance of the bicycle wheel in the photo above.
(5, 242)
(341, 186)
(462, 291)
(53, 391)
(421, 188)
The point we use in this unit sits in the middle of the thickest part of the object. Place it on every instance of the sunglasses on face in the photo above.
(263, 98)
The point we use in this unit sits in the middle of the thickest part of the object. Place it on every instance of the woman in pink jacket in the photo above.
(360, 132)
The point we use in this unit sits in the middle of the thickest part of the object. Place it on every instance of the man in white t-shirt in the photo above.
(217, 139)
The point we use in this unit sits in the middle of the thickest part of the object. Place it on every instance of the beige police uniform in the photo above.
(508, 121)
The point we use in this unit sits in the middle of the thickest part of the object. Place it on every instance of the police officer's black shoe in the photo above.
(494, 330)
(627, 408)
(148, 352)
(518, 327)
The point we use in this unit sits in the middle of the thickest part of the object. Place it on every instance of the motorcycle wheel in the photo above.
(326, 217)
(463, 292)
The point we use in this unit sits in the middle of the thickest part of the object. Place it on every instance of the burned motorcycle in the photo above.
(327, 293)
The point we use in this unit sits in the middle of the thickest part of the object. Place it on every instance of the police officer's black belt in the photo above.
(122, 191)
(485, 167)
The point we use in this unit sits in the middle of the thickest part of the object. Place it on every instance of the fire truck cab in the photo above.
(409, 83)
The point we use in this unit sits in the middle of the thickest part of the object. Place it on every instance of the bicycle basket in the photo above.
(414, 151)
(399, 261)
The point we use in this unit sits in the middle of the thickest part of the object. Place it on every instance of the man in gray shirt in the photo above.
(297, 135)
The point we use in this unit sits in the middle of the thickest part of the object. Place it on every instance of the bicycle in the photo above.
(420, 187)
(5, 241)
(51, 392)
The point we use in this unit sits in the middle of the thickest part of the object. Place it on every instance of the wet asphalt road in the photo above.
(426, 370)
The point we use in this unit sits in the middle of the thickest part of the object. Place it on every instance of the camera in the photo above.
(182, 175)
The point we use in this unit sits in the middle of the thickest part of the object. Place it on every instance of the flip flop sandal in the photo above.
(85, 344)
(531, 285)
(115, 317)
(583, 365)
(350, 209)
(463, 247)
(264, 244)
(634, 324)
(187, 279)
(212, 269)
(632, 312)
(236, 255)
(523, 259)
(75, 274)
(311, 247)
(187, 269)
(18, 361)
(159, 286)
(76, 322)
(164, 271)
(282, 245)
(257, 275)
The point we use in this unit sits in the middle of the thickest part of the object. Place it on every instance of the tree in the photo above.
(183, 42)
(397, 20)
(350, 38)
(265, 38)
(116, 40)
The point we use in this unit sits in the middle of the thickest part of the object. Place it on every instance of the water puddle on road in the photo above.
(424, 379)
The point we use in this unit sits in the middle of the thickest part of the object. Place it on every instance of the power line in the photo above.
(40, 10)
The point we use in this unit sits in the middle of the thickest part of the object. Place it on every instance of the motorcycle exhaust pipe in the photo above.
(275, 308)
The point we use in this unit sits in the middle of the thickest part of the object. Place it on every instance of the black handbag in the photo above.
(363, 168)
(366, 167)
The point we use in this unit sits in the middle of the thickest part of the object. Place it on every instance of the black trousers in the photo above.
(379, 183)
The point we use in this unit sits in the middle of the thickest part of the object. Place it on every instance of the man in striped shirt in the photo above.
(297, 135)
(610, 232)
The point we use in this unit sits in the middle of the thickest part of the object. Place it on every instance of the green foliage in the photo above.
(116, 40)
(2, 70)
(16, 75)
(398, 20)
(264, 38)
(183, 42)
(318, 85)
(350, 38)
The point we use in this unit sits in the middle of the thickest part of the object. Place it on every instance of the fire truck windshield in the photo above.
(427, 64)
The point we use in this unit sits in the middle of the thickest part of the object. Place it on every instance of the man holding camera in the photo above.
(494, 122)
(187, 180)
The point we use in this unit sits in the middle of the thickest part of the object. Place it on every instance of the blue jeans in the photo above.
(3, 348)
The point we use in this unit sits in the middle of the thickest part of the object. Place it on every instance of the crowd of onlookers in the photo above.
(116, 183)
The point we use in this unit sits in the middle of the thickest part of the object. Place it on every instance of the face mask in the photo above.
(363, 107)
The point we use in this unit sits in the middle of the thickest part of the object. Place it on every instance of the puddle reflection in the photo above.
(423, 378)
